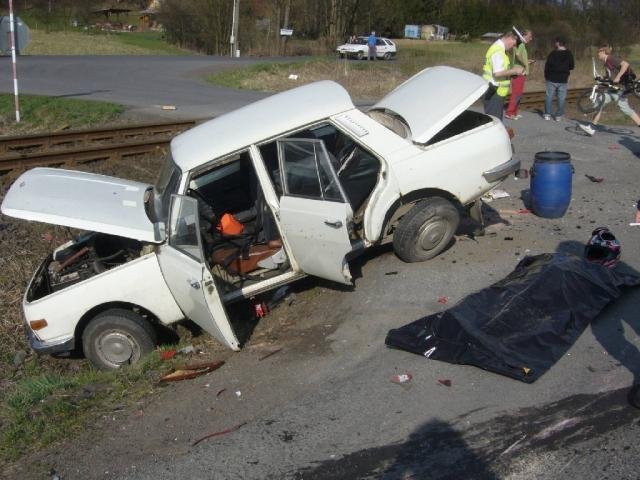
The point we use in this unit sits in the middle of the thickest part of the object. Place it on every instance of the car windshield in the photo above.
(166, 185)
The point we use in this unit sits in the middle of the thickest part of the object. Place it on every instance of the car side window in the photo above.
(306, 170)
(379, 42)
(184, 227)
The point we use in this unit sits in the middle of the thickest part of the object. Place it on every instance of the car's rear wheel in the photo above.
(360, 55)
(425, 230)
(117, 337)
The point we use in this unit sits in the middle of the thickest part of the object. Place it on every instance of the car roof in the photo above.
(259, 121)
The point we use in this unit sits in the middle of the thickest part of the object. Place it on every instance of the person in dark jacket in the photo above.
(556, 74)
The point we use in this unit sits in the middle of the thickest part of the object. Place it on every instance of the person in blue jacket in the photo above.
(371, 43)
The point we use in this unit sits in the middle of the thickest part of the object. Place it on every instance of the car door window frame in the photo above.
(319, 147)
(171, 224)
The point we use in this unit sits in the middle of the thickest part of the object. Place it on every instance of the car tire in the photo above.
(387, 56)
(425, 230)
(360, 55)
(117, 337)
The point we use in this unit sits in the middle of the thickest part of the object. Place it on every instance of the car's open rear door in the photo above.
(314, 212)
(190, 281)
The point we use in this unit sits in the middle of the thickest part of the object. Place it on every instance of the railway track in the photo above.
(68, 148)
(536, 99)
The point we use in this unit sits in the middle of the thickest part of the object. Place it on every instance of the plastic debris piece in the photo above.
(293, 76)
(495, 194)
(273, 352)
(220, 392)
(216, 434)
(524, 211)
(594, 179)
(526, 370)
(392, 273)
(167, 354)
(168, 107)
(444, 381)
(186, 350)
(238, 393)
(401, 378)
(508, 239)
(261, 310)
(443, 299)
(187, 372)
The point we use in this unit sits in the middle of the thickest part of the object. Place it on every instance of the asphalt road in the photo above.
(144, 83)
(323, 407)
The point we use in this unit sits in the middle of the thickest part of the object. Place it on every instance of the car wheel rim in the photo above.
(432, 233)
(117, 348)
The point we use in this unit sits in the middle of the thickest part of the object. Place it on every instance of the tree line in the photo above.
(205, 25)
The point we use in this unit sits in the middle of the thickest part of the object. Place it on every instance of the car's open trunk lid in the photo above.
(82, 200)
(432, 98)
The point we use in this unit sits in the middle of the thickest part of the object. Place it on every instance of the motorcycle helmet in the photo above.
(603, 248)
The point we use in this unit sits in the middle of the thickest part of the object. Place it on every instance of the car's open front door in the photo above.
(183, 267)
(314, 213)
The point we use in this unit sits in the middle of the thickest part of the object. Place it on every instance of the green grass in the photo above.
(152, 41)
(234, 78)
(43, 408)
(39, 113)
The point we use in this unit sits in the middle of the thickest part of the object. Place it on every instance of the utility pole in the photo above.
(12, 33)
(234, 27)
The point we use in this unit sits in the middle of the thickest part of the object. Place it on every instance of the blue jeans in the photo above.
(552, 89)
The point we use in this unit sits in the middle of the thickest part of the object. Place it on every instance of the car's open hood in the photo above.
(432, 98)
(82, 200)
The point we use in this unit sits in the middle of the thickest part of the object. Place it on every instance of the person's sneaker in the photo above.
(558, 119)
(511, 117)
(588, 129)
(546, 116)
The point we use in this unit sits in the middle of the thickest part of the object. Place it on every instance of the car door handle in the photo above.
(336, 224)
(195, 284)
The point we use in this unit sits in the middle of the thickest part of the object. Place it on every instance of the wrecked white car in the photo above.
(293, 185)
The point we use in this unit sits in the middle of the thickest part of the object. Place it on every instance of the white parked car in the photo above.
(292, 185)
(385, 49)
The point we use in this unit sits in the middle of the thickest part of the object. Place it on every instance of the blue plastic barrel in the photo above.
(551, 184)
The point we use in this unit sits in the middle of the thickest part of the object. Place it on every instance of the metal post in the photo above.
(12, 34)
(234, 27)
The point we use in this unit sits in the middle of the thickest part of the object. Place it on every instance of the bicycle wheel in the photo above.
(590, 101)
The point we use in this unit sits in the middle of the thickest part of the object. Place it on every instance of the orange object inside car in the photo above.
(229, 225)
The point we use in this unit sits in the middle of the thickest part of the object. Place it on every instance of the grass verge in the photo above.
(75, 42)
(39, 113)
(43, 408)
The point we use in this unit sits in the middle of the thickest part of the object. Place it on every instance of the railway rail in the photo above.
(71, 147)
(68, 148)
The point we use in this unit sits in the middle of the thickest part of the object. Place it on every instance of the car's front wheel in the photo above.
(117, 337)
(387, 56)
(425, 230)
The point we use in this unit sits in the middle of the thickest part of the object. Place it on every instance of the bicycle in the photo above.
(592, 100)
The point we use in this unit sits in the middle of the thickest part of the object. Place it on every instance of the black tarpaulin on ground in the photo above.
(521, 325)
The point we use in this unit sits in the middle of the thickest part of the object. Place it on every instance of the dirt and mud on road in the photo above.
(311, 390)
